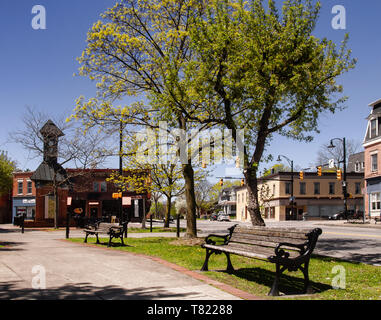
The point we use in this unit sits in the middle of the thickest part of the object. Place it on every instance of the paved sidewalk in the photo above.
(84, 272)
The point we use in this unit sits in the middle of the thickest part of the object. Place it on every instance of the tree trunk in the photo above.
(253, 203)
(168, 211)
(191, 201)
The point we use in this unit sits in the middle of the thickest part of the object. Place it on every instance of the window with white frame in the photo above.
(373, 128)
(373, 162)
(375, 201)
(20, 185)
(29, 187)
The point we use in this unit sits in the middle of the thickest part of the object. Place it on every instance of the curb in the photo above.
(194, 274)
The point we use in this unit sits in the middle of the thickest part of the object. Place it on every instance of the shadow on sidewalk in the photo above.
(86, 291)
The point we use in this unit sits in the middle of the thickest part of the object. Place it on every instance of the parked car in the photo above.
(351, 214)
(223, 217)
(213, 217)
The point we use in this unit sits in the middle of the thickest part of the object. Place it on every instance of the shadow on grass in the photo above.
(288, 285)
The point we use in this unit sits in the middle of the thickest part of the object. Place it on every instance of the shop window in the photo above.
(375, 201)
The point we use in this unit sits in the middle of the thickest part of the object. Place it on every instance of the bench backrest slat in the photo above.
(106, 226)
(265, 239)
(262, 240)
(273, 232)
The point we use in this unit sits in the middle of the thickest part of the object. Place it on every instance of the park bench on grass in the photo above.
(112, 229)
(287, 248)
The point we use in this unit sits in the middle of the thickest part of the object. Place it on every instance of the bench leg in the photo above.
(121, 239)
(97, 239)
(109, 241)
(274, 289)
(229, 267)
(307, 288)
(86, 238)
(208, 254)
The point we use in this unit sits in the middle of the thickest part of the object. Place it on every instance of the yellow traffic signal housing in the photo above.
(301, 175)
(242, 182)
(338, 175)
(319, 171)
(221, 182)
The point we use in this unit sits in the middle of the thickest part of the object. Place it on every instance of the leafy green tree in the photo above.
(134, 51)
(256, 69)
(7, 167)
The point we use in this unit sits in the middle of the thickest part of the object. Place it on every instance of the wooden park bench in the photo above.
(377, 219)
(112, 229)
(288, 248)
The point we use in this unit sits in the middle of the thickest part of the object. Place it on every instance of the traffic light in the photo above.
(242, 182)
(338, 175)
(221, 182)
(319, 171)
(203, 165)
(301, 175)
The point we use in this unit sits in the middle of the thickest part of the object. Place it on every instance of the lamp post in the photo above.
(291, 163)
(344, 161)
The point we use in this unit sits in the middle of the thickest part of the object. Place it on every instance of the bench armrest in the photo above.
(281, 253)
(210, 241)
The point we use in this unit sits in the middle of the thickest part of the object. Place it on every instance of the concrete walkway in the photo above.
(74, 271)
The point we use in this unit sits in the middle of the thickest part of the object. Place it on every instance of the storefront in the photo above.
(25, 206)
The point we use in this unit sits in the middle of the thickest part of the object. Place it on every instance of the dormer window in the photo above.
(373, 128)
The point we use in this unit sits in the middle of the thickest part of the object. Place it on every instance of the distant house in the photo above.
(227, 200)
(23, 195)
(372, 155)
(356, 162)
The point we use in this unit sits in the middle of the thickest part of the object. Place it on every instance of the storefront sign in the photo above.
(126, 201)
(32, 201)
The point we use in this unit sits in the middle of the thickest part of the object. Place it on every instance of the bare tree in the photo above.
(325, 154)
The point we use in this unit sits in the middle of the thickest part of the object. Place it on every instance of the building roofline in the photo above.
(372, 104)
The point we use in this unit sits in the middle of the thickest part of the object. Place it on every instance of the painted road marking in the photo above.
(353, 234)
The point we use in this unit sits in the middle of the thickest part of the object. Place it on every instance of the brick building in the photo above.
(84, 193)
(372, 156)
(320, 197)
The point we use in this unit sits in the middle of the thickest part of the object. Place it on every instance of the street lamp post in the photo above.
(344, 161)
(291, 163)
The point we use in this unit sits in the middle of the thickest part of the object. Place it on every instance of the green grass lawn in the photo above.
(363, 282)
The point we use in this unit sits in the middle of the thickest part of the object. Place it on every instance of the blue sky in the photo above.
(37, 68)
